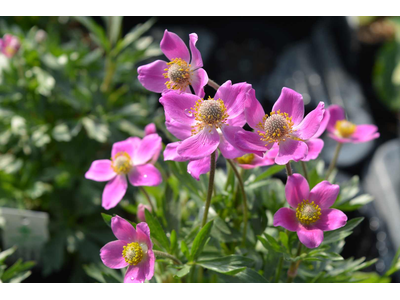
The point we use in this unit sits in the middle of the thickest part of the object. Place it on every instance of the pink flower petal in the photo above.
(149, 146)
(251, 142)
(179, 106)
(254, 111)
(365, 133)
(273, 152)
(145, 175)
(135, 274)
(324, 123)
(123, 146)
(100, 170)
(143, 234)
(140, 212)
(310, 237)
(173, 47)
(196, 60)
(200, 145)
(336, 113)
(149, 272)
(111, 254)
(291, 150)
(258, 162)
(324, 194)
(340, 139)
(200, 166)
(238, 121)
(234, 97)
(198, 80)
(135, 141)
(331, 219)
(286, 218)
(170, 152)
(114, 191)
(292, 103)
(296, 190)
(151, 76)
(179, 130)
(227, 144)
(314, 149)
(123, 230)
(150, 128)
(311, 123)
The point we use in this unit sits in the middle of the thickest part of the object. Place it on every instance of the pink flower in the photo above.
(251, 161)
(344, 131)
(310, 214)
(284, 126)
(9, 45)
(132, 249)
(131, 158)
(140, 212)
(180, 72)
(205, 125)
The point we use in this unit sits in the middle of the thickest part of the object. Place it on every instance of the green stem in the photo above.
(167, 255)
(109, 70)
(279, 270)
(245, 208)
(334, 160)
(210, 189)
(147, 197)
(304, 166)
(289, 170)
(213, 84)
(292, 273)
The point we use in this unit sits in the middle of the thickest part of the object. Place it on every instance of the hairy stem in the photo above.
(334, 160)
(213, 84)
(147, 197)
(292, 273)
(167, 255)
(210, 189)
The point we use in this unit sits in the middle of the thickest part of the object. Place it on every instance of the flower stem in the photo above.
(213, 84)
(294, 265)
(245, 208)
(210, 189)
(289, 171)
(166, 255)
(304, 166)
(334, 160)
(147, 197)
(279, 270)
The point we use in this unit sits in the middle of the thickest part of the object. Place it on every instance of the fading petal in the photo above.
(148, 147)
(324, 123)
(200, 145)
(100, 170)
(336, 113)
(234, 97)
(286, 218)
(111, 255)
(331, 219)
(151, 76)
(200, 166)
(324, 194)
(135, 274)
(296, 190)
(314, 149)
(254, 111)
(310, 237)
(311, 123)
(198, 80)
(291, 150)
(178, 106)
(365, 133)
(196, 60)
(290, 102)
(145, 175)
(123, 230)
(173, 47)
(251, 142)
(123, 146)
(170, 152)
(114, 191)
(227, 144)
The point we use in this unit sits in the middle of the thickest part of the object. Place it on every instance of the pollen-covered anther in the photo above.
(308, 212)
(121, 163)
(277, 126)
(246, 159)
(133, 253)
(179, 74)
(209, 113)
(345, 128)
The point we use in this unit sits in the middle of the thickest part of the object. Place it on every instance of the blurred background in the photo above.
(71, 90)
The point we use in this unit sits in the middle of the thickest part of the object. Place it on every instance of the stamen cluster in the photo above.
(277, 126)
(308, 213)
(246, 159)
(179, 74)
(345, 128)
(133, 253)
(121, 163)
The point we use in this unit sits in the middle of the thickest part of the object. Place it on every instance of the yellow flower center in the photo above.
(121, 163)
(209, 113)
(133, 253)
(308, 213)
(277, 126)
(245, 159)
(179, 73)
(345, 128)
(10, 50)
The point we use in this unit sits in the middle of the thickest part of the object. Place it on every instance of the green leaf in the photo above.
(107, 219)
(156, 230)
(200, 241)
(174, 242)
(395, 265)
(341, 233)
(355, 203)
(183, 272)
(16, 268)
(229, 265)
(7, 253)
(185, 250)
(322, 256)
(269, 172)
(98, 34)
(246, 276)
(284, 239)
(271, 240)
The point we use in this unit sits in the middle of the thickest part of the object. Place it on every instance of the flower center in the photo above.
(308, 213)
(209, 113)
(277, 126)
(134, 252)
(345, 128)
(121, 163)
(245, 159)
(178, 73)
(10, 50)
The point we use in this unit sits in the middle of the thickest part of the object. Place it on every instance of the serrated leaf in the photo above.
(200, 241)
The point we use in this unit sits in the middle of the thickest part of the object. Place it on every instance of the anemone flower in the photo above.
(9, 45)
